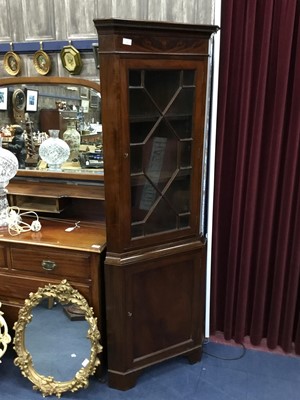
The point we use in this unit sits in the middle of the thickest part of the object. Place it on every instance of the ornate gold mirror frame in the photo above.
(64, 294)
(4, 335)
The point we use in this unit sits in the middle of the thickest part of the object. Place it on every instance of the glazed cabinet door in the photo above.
(163, 109)
(165, 150)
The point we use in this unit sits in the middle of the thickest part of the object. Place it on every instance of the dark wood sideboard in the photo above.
(31, 259)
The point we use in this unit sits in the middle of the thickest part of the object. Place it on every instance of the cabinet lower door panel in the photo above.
(163, 312)
(155, 310)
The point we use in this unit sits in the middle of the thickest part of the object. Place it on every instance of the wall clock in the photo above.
(18, 103)
(71, 59)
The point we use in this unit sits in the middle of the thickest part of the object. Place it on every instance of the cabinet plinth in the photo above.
(153, 89)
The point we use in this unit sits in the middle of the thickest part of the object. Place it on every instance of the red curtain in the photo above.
(256, 233)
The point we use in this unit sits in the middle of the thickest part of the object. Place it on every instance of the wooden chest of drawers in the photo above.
(33, 259)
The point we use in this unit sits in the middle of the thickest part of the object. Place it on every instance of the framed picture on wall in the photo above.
(12, 63)
(85, 104)
(84, 92)
(3, 98)
(32, 100)
(42, 62)
(94, 99)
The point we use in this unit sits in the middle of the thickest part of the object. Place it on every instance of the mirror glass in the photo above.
(38, 105)
(52, 328)
(57, 340)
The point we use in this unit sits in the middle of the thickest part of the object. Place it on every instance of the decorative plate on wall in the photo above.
(42, 62)
(12, 63)
(71, 59)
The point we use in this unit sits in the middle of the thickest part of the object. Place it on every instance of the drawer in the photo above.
(15, 289)
(58, 263)
(45, 204)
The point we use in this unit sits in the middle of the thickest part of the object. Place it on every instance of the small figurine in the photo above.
(18, 145)
(32, 154)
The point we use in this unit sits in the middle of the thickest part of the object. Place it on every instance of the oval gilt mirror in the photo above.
(57, 340)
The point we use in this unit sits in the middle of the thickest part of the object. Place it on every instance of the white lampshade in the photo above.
(8, 168)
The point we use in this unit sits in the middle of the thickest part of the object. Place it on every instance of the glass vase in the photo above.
(54, 151)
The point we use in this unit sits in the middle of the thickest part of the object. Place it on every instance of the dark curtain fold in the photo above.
(256, 235)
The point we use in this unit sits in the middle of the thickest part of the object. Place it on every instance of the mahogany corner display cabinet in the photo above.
(154, 83)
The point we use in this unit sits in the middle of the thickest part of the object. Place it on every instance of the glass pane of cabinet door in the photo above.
(161, 140)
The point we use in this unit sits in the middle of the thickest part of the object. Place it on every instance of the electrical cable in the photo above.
(15, 223)
(224, 358)
(72, 224)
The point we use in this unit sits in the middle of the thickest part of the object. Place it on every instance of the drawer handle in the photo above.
(48, 265)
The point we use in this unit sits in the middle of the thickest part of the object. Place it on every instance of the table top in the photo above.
(58, 233)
